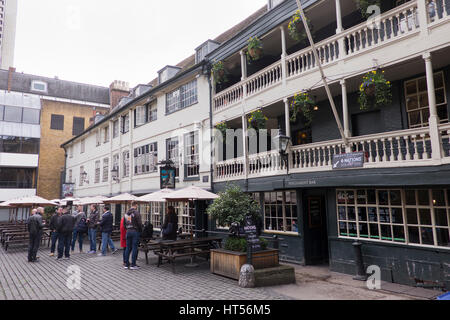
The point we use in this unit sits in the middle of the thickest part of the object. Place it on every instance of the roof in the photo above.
(21, 82)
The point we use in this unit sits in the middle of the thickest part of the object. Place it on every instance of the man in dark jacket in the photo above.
(52, 226)
(35, 226)
(106, 223)
(133, 225)
(169, 228)
(65, 228)
(92, 228)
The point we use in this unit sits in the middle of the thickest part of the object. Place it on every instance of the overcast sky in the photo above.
(98, 41)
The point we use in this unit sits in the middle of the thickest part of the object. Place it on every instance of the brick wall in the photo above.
(51, 155)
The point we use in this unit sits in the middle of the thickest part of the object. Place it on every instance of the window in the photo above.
(17, 178)
(57, 122)
(172, 153)
(39, 86)
(186, 215)
(82, 147)
(105, 169)
(70, 176)
(78, 126)
(140, 116)
(191, 154)
(11, 144)
(152, 113)
(98, 137)
(417, 105)
(115, 164)
(126, 164)
(280, 211)
(125, 123)
(146, 159)
(412, 216)
(71, 152)
(81, 176)
(97, 171)
(106, 134)
(31, 116)
(181, 98)
(13, 114)
(116, 129)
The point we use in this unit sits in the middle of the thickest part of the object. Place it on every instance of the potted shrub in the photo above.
(375, 90)
(304, 104)
(365, 4)
(233, 206)
(254, 49)
(296, 28)
(219, 73)
(257, 120)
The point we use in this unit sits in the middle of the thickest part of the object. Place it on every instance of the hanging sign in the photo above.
(349, 160)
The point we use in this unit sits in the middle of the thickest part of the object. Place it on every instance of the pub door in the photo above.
(118, 215)
(315, 230)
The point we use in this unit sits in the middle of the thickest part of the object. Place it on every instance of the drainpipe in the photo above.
(211, 174)
(63, 178)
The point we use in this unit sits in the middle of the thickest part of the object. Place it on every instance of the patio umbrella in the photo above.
(156, 196)
(90, 200)
(122, 198)
(31, 201)
(191, 193)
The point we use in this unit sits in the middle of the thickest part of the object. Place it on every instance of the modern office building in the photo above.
(8, 21)
(37, 114)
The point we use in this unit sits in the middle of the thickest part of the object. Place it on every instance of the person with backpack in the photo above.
(52, 227)
(64, 228)
(80, 228)
(92, 228)
(34, 225)
(169, 228)
(133, 225)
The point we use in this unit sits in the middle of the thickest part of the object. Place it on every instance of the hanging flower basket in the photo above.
(375, 91)
(296, 28)
(222, 127)
(303, 104)
(218, 72)
(254, 49)
(257, 120)
(365, 4)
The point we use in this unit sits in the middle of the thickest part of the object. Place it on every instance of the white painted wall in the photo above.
(19, 160)
(8, 194)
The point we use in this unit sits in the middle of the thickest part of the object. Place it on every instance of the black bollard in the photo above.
(360, 272)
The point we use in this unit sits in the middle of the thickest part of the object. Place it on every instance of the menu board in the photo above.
(315, 212)
(250, 231)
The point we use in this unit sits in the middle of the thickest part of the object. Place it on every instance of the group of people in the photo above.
(67, 227)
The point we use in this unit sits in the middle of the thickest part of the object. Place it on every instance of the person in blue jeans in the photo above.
(133, 225)
(92, 228)
(78, 215)
(54, 233)
(64, 228)
(106, 223)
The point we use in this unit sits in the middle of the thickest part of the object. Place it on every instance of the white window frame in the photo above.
(106, 134)
(105, 170)
(152, 112)
(97, 172)
(286, 221)
(37, 82)
(141, 118)
(116, 128)
(183, 97)
(192, 154)
(126, 164)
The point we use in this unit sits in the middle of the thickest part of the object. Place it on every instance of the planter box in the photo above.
(228, 263)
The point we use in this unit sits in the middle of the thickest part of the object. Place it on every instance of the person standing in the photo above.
(80, 228)
(123, 239)
(65, 228)
(53, 233)
(34, 225)
(106, 223)
(169, 228)
(133, 225)
(92, 228)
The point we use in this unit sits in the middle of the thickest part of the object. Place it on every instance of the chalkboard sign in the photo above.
(315, 212)
(250, 231)
(349, 160)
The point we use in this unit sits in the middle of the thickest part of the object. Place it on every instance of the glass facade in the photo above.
(9, 144)
(17, 178)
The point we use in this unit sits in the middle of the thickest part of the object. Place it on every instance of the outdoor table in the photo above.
(172, 249)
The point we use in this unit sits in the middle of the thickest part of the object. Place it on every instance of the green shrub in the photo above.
(240, 244)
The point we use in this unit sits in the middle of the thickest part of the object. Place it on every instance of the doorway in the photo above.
(316, 233)
(118, 215)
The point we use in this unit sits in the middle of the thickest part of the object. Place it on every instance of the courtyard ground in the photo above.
(104, 278)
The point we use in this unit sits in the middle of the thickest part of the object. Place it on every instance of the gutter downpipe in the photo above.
(211, 138)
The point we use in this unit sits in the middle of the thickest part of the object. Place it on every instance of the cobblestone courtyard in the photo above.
(104, 278)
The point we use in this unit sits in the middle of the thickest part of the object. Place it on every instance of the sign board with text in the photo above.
(349, 160)
(251, 234)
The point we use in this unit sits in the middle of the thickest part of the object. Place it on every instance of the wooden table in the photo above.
(170, 250)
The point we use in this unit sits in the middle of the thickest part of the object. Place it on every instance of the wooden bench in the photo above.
(22, 238)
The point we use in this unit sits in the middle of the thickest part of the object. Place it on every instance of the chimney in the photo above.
(118, 90)
(10, 74)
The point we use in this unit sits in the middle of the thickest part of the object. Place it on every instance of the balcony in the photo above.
(404, 148)
(346, 52)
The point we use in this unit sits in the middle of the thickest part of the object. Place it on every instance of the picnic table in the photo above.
(146, 246)
(20, 237)
(171, 249)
